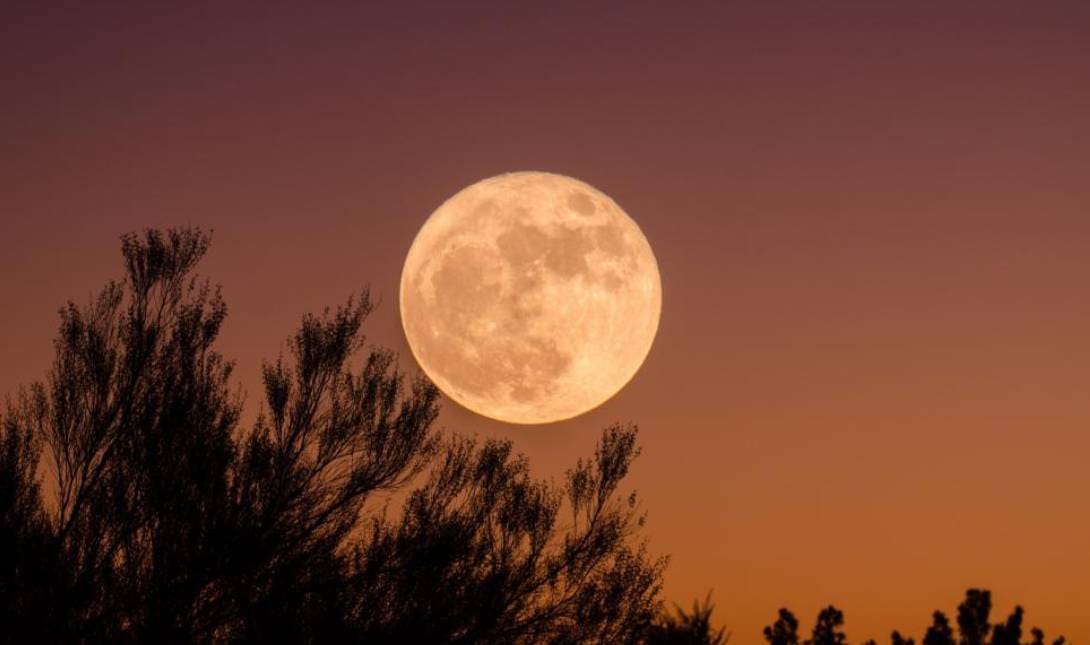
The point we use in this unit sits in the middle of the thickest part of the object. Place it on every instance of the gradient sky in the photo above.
(871, 384)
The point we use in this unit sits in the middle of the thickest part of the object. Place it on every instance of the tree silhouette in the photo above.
(827, 629)
(171, 521)
(973, 617)
(685, 628)
(137, 506)
(973, 627)
(1009, 633)
(785, 631)
(939, 633)
(26, 565)
(1039, 638)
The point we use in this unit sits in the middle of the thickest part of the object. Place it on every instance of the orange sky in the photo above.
(871, 384)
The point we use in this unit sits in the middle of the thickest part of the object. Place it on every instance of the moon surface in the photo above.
(530, 297)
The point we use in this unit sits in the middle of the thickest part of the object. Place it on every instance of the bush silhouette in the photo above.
(163, 518)
(685, 628)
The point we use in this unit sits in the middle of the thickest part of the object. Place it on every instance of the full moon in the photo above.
(530, 297)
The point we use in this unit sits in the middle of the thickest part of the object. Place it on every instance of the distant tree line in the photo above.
(973, 627)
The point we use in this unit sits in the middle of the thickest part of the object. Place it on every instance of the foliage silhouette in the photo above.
(136, 506)
(827, 629)
(685, 628)
(785, 631)
(973, 617)
(939, 633)
(1009, 633)
(973, 627)
(168, 520)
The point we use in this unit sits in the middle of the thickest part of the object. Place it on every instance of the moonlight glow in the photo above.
(530, 297)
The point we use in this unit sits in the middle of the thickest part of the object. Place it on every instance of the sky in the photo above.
(871, 380)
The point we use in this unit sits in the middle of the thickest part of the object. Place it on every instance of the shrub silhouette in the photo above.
(973, 627)
(168, 520)
(685, 628)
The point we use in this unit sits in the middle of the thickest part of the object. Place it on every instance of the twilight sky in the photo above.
(871, 383)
